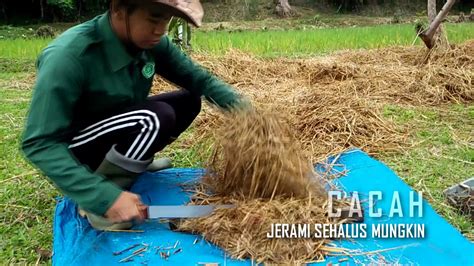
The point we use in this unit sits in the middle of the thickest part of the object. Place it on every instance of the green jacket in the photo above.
(85, 73)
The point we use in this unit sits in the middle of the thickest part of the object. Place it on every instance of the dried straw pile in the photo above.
(242, 231)
(398, 75)
(257, 156)
(337, 101)
(259, 166)
(330, 125)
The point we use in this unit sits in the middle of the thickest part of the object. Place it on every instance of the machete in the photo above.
(181, 211)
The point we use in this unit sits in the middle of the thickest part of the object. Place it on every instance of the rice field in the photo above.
(318, 41)
(278, 42)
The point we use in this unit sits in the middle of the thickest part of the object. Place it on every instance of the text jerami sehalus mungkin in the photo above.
(388, 229)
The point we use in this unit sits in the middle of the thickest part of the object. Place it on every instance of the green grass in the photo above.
(443, 154)
(317, 41)
(277, 42)
(26, 204)
(22, 48)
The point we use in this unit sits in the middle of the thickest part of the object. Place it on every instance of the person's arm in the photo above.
(175, 66)
(58, 86)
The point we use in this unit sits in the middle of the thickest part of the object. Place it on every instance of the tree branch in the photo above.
(428, 34)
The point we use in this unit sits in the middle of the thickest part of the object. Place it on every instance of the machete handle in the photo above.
(143, 209)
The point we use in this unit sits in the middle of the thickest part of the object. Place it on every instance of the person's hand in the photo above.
(242, 104)
(245, 104)
(127, 207)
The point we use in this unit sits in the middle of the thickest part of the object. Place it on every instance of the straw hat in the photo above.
(191, 10)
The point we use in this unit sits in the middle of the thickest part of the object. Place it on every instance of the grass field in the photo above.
(279, 42)
(443, 154)
(318, 41)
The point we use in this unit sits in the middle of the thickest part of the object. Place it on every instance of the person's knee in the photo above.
(166, 115)
(156, 121)
(194, 103)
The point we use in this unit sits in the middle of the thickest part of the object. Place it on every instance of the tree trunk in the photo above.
(79, 9)
(42, 9)
(431, 35)
(431, 10)
(283, 8)
(4, 12)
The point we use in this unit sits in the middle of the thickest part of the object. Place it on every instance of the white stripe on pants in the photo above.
(147, 119)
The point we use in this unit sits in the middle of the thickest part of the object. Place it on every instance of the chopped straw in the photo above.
(242, 231)
(259, 167)
(258, 157)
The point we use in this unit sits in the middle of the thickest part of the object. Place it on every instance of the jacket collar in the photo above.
(114, 49)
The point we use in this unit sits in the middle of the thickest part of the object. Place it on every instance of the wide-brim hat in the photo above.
(190, 10)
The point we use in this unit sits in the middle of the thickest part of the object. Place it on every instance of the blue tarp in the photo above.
(76, 243)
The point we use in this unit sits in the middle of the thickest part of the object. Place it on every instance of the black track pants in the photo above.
(138, 132)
